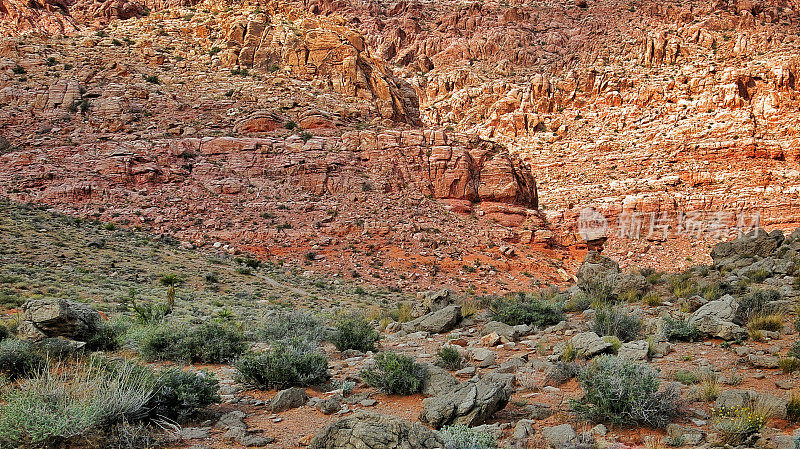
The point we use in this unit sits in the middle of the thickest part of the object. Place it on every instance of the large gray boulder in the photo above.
(505, 330)
(287, 400)
(585, 344)
(437, 322)
(365, 430)
(437, 381)
(559, 436)
(716, 319)
(432, 301)
(597, 269)
(52, 317)
(748, 398)
(470, 404)
(755, 243)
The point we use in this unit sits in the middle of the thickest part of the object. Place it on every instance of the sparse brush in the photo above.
(709, 387)
(773, 322)
(354, 332)
(523, 309)
(652, 299)
(449, 358)
(789, 364)
(287, 364)
(463, 437)
(793, 407)
(624, 392)
(676, 330)
(616, 343)
(736, 424)
(755, 303)
(285, 325)
(617, 323)
(394, 373)
(686, 377)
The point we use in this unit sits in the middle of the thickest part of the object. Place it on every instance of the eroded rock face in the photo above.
(44, 318)
(321, 50)
(470, 404)
(372, 430)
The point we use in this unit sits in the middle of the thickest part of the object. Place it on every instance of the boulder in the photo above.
(559, 436)
(288, 399)
(755, 243)
(436, 322)
(505, 330)
(716, 319)
(470, 404)
(366, 430)
(587, 345)
(597, 269)
(484, 357)
(634, 350)
(52, 317)
(432, 301)
(745, 398)
(437, 381)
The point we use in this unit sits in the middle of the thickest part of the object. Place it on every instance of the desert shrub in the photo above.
(793, 407)
(4, 333)
(51, 410)
(601, 288)
(755, 303)
(208, 343)
(460, 436)
(709, 387)
(354, 332)
(394, 373)
(789, 364)
(616, 343)
(285, 325)
(794, 351)
(621, 391)
(560, 372)
(684, 285)
(652, 299)
(519, 309)
(105, 337)
(293, 363)
(214, 342)
(579, 302)
(449, 358)
(615, 322)
(20, 359)
(677, 330)
(686, 377)
(736, 425)
(758, 275)
(179, 394)
(771, 322)
(57, 348)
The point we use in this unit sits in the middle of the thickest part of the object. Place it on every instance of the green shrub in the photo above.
(57, 348)
(285, 325)
(354, 332)
(578, 302)
(294, 363)
(53, 410)
(686, 377)
(794, 351)
(4, 333)
(789, 364)
(755, 303)
(163, 342)
(521, 309)
(210, 342)
(677, 330)
(615, 322)
(178, 394)
(394, 373)
(214, 342)
(20, 359)
(105, 338)
(625, 392)
(793, 407)
(462, 437)
(449, 358)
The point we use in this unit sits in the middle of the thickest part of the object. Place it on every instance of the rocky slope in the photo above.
(291, 141)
